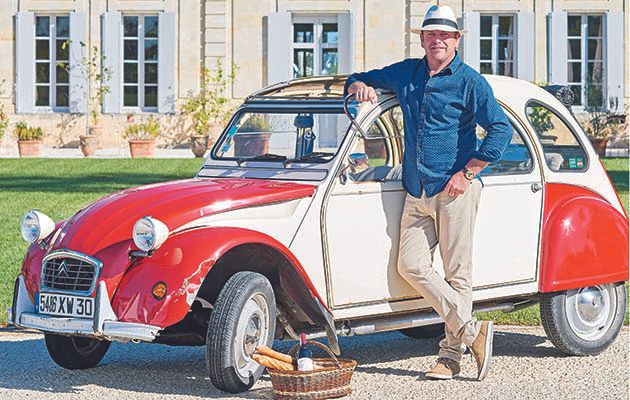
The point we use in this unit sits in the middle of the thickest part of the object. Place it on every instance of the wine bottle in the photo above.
(305, 356)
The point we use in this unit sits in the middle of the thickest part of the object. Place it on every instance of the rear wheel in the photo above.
(75, 352)
(584, 321)
(424, 332)
(243, 317)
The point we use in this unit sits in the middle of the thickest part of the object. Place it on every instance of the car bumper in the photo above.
(104, 325)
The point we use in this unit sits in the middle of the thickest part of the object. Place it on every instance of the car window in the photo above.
(563, 152)
(378, 157)
(517, 159)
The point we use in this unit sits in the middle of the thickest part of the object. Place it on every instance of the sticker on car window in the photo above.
(576, 163)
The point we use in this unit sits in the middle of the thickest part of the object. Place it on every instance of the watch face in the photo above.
(469, 174)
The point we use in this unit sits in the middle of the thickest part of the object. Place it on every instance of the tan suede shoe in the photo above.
(481, 349)
(445, 368)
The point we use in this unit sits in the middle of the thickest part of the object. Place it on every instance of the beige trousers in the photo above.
(448, 222)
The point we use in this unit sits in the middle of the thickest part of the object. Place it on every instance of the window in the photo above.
(140, 62)
(586, 59)
(51, 61)
(516, 159)
(496, 45)
(315, 46)
(560, 145)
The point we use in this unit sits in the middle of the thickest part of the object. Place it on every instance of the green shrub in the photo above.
(25, 132)
(148, 130)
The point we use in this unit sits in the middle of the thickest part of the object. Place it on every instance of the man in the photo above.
(442, 100)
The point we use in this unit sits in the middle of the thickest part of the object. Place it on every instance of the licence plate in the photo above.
(65, 305)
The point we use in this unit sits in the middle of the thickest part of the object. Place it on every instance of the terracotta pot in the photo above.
(199, 145)
(251, 144)
(141, 148)
(97, 131)
(30, 148)
(600, 146)
(88, 145)
(375, 148)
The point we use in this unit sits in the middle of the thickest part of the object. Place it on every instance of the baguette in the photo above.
(266, 351)
(272, 363)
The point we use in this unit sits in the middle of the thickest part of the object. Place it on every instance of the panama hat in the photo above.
(439, 18)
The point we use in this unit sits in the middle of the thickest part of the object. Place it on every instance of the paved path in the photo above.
(525, 366)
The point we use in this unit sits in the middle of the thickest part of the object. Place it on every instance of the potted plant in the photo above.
(141, 137)
(209, 108)
(30, 141)
(97, 87)
(253, 135)
(598, 130)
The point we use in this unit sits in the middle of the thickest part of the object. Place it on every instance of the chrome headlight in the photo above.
(149, 233)
(36, 226)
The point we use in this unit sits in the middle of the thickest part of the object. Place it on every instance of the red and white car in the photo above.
(291, 225)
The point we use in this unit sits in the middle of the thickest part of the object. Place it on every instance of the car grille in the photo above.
(68, 274)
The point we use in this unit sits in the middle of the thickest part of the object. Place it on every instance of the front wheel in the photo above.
(75, 352)
(584, 321)
(243, 317)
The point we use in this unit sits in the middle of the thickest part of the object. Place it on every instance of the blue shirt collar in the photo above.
(450, 68)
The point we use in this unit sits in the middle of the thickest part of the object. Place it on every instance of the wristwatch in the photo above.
(468, 174)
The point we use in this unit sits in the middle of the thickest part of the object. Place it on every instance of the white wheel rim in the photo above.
(252, 330)
(591, 310)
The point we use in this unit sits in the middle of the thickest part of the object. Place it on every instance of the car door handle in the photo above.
(536, 187)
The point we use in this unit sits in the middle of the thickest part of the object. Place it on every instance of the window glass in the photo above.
(516, 159)
(378, 157)
(140, 61)
(52, 61)
(585, 49)
(496, 45)
(315, 47)
(563, 151)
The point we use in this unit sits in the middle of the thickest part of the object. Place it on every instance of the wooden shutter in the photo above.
(525, 49)
(345, 25)
(614, 61)
(470, 39)
(557, 34)
(112, 49)
(166, 62)
(24, 62)
(79, 50)
(279, 60)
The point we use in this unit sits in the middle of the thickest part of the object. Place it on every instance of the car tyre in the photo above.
(243, 317)
(584, 321)
(424, 332)
(75, 352)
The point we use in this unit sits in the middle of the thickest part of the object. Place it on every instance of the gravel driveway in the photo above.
(525, 366)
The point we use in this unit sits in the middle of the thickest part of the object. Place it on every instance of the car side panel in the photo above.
(183, 263)
(584, 242)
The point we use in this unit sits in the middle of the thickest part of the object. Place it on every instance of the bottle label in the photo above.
(305, 364)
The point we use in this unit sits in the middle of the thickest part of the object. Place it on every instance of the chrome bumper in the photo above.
(104, 324)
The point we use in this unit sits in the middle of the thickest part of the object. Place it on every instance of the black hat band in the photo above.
(440, 21)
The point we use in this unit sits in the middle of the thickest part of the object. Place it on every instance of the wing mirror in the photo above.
(357, 162)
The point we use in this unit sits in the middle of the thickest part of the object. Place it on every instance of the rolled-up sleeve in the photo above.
(386, 78)
(490, 116)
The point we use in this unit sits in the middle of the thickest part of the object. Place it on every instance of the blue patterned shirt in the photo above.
(440, 114)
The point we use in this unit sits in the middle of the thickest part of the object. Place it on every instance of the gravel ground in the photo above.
(525, 366)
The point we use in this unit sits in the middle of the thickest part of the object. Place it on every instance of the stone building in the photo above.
(155, 50)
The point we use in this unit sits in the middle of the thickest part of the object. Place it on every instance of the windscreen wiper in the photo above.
(314, 156)
(263, 157)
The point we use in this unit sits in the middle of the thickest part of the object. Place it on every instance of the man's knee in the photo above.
(413, 271)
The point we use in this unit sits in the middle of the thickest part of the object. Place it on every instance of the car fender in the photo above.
(584, 240)
(183, 262)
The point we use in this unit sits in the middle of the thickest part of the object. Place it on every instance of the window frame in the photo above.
(494, 38)
(52, 60)
(584, 61)
(140, 62)
(317, 45)
(575, 134)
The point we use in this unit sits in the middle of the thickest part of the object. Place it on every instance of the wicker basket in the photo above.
(331, 378)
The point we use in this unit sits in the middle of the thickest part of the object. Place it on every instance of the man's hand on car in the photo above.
(363, 92)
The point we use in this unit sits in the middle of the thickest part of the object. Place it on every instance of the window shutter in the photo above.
(112, 47)
(558, 48)
(279, 60)
(525, 52)
(471, 39)
(24, 62)
(78, 52)
(614, 61)
(166, 62)
(345, 25)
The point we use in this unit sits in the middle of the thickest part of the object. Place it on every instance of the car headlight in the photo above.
(149, 233)
(36, 226)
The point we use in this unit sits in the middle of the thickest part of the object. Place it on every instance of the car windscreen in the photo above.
(287, 136)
